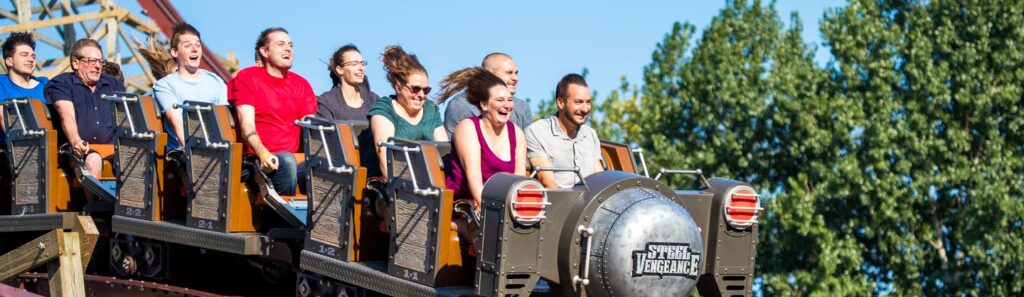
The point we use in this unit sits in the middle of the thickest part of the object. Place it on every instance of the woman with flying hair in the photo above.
(484, 145)
(407, 114)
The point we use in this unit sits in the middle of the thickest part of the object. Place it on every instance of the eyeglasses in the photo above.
(91, 61)
(353, 63)
(417, 89)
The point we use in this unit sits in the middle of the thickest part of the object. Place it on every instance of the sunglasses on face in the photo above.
(417, 89)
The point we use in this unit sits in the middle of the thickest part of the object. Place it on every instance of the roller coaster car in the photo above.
(218, 213)
(35, 193)
(140, 142)
(725, 211)
(340, 224)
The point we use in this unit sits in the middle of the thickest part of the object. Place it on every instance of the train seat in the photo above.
(140, 145)
(423, 247)
(37, 185)
(340, 225)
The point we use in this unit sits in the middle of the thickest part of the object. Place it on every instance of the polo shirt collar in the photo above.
(78, 80)
(556, 130)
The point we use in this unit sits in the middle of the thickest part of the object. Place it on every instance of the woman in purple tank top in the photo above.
(484, 145)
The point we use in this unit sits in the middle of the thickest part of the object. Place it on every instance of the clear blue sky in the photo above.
(548, 39)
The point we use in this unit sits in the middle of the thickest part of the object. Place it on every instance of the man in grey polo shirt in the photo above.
(564, 140)
(501, 65)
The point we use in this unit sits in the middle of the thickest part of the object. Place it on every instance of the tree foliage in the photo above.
(895, 168)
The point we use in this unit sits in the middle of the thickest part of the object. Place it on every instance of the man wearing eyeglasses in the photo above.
(84, 115)
(503, 66)
(267, 101)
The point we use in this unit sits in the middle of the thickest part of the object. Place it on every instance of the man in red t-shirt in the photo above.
(267, 101)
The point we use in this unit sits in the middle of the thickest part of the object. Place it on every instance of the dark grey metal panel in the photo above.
(372, 276)
(235, 243)
(37, 222)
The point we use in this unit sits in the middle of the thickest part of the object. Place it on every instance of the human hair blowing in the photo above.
(476, 81)
(399, 65)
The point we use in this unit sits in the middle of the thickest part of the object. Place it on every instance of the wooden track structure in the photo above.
(57, 24)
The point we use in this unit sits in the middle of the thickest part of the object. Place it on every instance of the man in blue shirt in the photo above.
(19, 51)
(84, 115)
(187, 83)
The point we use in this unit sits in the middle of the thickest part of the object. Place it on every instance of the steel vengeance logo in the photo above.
(666, 258)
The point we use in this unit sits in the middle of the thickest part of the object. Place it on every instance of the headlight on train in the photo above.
(742, 205)
(530, 204)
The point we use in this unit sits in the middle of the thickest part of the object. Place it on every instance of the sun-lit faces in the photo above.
(189, 52)
(23, 61)
(353, 68)
(576, 105)
(505, 68)
(88, 64)
(414, 93)
(499, 105)
(278, 51)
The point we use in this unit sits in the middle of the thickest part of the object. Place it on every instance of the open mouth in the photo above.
(193, 58)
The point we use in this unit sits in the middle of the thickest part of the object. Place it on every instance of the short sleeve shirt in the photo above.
(424, 130)
(9, 90)
(546, 139)
(278, 102)
(459, 109)
(94, 116)
(173, 89)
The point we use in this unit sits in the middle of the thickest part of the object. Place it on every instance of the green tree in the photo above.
(939, 181)
(896, 168)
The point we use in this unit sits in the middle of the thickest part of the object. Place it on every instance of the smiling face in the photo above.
(505, 68)
(23, 62)
(277, 52)
(499, 105)
(88, 65)
(189, 52)
(414, 93)
(352, 70)
(575, 107)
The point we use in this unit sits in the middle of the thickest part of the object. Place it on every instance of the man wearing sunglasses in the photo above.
(503, 66)
(267, 101)
(87, 119)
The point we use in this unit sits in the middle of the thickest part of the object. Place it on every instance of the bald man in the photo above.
(504, 67)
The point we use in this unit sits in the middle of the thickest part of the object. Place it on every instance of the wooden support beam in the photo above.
(67, 275)
(7, 14)
(138, 57)
(31, 255)
(77, 18)
(38, 9)
(24, 11)
(89, 234)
